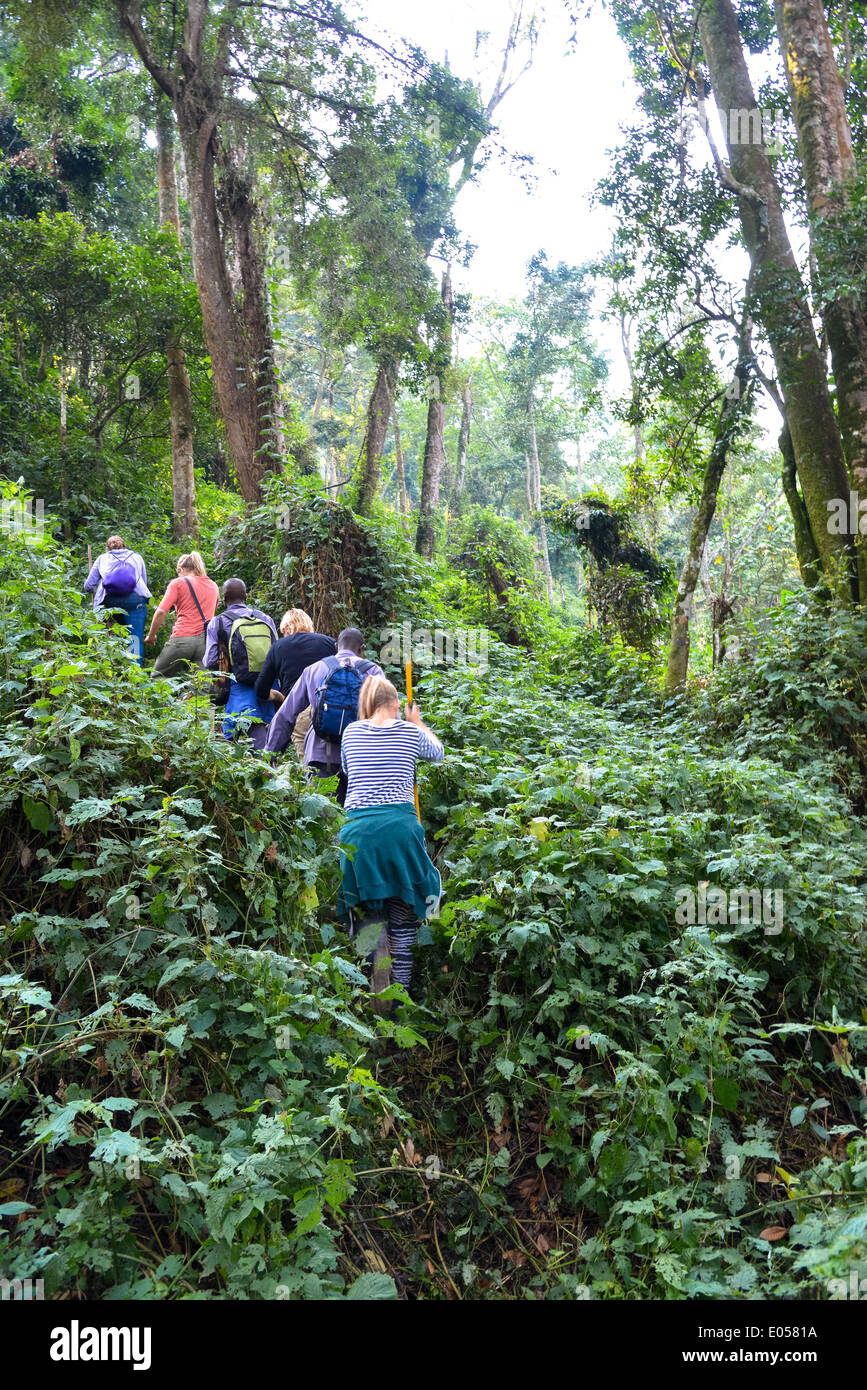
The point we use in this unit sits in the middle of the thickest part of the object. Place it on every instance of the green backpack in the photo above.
(250, 641)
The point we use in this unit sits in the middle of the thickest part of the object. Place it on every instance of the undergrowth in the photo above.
(594, 1098)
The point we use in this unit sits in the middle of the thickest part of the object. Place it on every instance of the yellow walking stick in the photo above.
(409, 701)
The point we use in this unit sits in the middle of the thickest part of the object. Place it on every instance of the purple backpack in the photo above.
(120, 580)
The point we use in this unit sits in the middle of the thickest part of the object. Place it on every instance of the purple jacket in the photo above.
(102, 567)
(300, 697)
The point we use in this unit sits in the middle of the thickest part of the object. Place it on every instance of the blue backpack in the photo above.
(335, 703)
(121, 579)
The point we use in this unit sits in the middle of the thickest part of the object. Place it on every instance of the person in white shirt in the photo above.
(389, 873)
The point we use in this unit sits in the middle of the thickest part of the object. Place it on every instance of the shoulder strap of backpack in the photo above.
(196, 602)
(224, 638)
(362, 667)
(333, 664)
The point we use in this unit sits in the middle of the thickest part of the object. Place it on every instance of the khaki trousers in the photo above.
(179, 654)
(299, 733)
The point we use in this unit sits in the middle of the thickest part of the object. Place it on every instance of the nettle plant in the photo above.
(183, 1082)
(798, 692)
(640, 1076)
(593, 1100)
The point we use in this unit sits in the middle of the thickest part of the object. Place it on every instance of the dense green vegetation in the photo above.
(237, 316)
(592, 1100)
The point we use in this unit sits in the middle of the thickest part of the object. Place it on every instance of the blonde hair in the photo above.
(192, 563)
(376, 693)
(295, 620)
(115, 543)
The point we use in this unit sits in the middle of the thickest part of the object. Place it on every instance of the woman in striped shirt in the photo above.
(388, 874)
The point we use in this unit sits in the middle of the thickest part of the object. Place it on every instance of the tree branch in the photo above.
(194, 29)
(129, 13)
(724, 173)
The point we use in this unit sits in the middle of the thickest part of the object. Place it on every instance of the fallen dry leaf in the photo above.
(841, 1054)
(763, 1177)
(409, 1152)
(773, 1233)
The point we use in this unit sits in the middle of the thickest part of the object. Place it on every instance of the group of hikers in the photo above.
(340, 712)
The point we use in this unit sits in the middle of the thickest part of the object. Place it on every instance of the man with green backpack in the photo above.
(236, 644)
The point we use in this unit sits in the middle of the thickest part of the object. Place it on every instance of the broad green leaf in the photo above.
(373, 1287)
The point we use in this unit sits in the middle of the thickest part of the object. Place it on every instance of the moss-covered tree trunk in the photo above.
(242, 217)
(193, 80)
(781, 301)
(825, 141)
(434, 446)
(185, 516)
(805, 547)
(432, 466)
(378, 413)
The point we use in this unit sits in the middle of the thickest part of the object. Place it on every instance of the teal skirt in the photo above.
(383, 855)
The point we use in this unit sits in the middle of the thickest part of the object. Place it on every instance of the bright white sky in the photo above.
(565, 112)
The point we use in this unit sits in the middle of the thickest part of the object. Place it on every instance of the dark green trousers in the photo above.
(179, 654)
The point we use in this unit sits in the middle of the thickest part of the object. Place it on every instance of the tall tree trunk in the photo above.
(321, 384)
(193, 80)
(378, 412)
(722, 608)
(809, 563)
(403, 500)
(185, 516)
(537, 503)
(781, 300)
(64, 477)
(216, 297)
(434, 447)
(528, 488)
(463, 440)
(243, 219)
(719, 605)
(805, 546)
(637, 432)
(650, 512)
(430, 479)
(330, 460)
(734, 403)
(828, 160)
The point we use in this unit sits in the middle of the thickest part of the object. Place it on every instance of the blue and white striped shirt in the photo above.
(379, 761)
